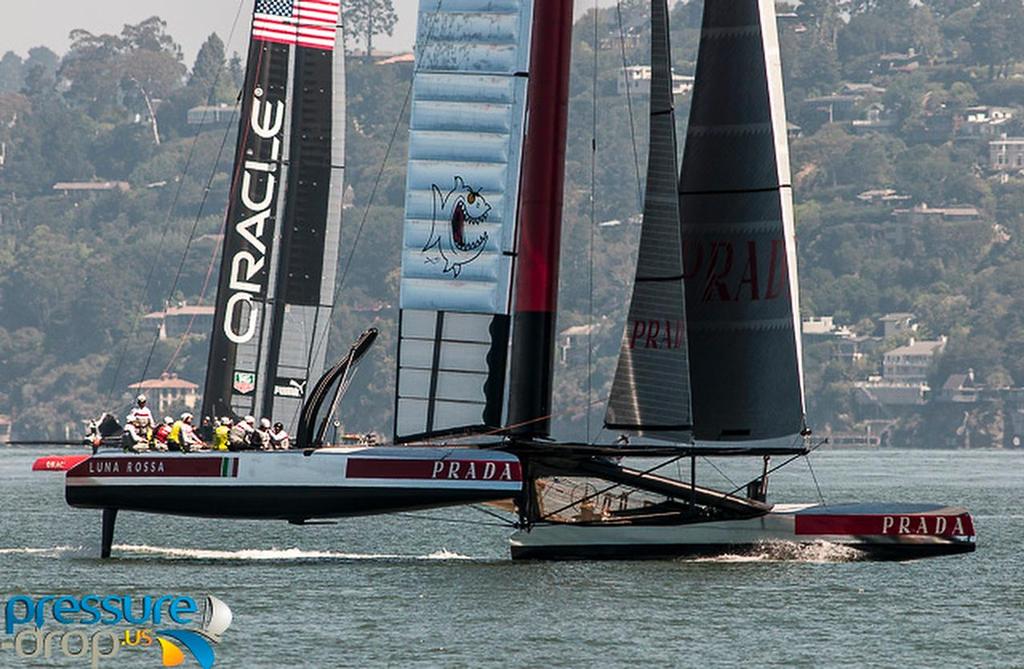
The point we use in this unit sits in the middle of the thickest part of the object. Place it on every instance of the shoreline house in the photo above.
(1006, 154)
(636, 79)
(193, 319)
(904, 378)
(168, 392)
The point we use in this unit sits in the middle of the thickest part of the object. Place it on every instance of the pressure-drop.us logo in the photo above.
(93, 628)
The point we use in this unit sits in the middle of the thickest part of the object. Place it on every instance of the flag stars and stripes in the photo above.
(309, 23)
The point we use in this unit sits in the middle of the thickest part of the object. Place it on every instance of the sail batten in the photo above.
(650, 394)
(739, 248)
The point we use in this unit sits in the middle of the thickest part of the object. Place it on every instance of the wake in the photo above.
(251, 554)
(272, 554)
(820, 552)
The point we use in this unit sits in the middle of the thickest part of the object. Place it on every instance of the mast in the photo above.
(540, 228)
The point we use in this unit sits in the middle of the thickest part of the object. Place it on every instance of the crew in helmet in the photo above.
(183, 435)
(261, 436)
(238, 437)
(162, 432)
(141, 415)
(221, 434)
(279, 439)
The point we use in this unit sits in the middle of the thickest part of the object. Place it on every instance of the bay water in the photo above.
(437, 589)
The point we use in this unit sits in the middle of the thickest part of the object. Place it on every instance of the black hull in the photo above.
(293, 503)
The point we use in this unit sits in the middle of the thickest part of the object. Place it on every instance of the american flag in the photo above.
(311, 23)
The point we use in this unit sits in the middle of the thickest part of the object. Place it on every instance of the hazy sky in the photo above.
(28, 24)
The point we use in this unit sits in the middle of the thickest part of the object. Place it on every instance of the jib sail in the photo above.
(650, 395)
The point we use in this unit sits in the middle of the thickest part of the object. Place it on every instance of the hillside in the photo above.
(907, 203)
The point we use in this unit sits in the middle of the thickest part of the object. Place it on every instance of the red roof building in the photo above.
(168, 393)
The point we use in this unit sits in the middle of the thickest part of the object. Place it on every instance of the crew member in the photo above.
(205, 430)
(261, 438)
(238, 437)
(136, 435)
(183, 435)
(141, 412)
(221, 434)
(162, 432)
(279, 439)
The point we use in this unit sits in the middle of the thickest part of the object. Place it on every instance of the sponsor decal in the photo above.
(244, 382)
(284, 387)
(92, 628)
(959, 525)
(737, 271)
(173, 466)
(257, 194)
(499, 471)
(455, 238)
(656, 334)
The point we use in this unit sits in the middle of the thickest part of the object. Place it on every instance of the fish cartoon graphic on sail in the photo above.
(452, 238)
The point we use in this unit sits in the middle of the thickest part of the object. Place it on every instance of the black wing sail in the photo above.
(739, 246)
(281, 239)
(650, 395)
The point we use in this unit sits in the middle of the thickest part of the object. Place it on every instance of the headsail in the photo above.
(739, 248)
(276, 285)
(462, 195)
(651, 392)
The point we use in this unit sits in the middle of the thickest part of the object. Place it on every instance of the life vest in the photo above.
(220, 438)
(174, 438)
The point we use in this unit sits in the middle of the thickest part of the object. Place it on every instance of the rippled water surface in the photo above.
(409, 591)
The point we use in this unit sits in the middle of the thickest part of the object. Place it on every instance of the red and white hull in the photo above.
(881, 531)
(292, 485)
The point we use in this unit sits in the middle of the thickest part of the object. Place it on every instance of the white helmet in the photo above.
(141, 399)
(265, 423)
(168, 420)
(250, 420)
(186, 416)
(226, 420)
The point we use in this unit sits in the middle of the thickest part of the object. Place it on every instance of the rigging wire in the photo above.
(167, 219)
(191, 238)
(477, 507)
(715, 467)
(340, 284)
(784, 463)
(593, 223)
(629, 107)
(609, 488)
(815, 478)
(457, 521)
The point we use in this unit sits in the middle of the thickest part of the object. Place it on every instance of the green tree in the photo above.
(44, 58)
(210, 79)
(365, 19)
(997, 35)
(12, 75)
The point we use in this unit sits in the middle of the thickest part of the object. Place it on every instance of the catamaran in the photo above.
(710, 360)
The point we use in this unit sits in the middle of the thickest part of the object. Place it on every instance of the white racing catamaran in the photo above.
(710, 362)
